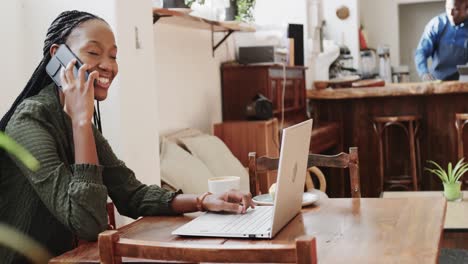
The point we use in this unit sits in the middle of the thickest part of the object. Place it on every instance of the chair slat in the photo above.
(112, 248)
(342, 160)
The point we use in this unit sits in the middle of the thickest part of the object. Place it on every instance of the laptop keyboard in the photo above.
(257, 219)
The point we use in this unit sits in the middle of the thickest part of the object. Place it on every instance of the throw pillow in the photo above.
(217, 157)
(182, 170)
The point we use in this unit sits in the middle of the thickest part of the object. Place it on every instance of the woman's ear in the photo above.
(53, 49)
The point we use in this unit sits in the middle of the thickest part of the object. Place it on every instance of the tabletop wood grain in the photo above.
(367, 230)
(457, 212)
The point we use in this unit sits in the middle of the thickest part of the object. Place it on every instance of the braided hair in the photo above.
(57, 33)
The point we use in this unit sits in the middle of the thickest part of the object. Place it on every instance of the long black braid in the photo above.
(57, 33)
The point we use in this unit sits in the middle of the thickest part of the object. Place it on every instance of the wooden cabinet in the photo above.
(242, 82)
(242, 137)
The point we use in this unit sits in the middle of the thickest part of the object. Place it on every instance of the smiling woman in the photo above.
(65, 199)
(97, 49)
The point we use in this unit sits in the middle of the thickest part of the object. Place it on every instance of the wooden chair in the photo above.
(342, 160)
(315, 171)
(110, 222)
(110, 216)
(112, 248)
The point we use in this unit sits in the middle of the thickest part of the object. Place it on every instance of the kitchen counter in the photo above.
(391, 90)
(355, 108)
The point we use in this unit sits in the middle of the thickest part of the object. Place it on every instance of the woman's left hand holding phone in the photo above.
(79, 105)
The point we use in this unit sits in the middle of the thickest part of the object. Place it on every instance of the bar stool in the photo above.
(461, 119)
(410, 125)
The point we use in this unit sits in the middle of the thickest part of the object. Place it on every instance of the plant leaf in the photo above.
(18, 151)
(439, 174)
(439, 171)
(25, 245)
(457, 168)
(461, 171)
(449, 172)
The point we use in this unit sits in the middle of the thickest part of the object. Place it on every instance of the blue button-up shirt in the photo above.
(446, 44)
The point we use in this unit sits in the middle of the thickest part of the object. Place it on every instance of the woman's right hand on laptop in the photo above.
(233, 201)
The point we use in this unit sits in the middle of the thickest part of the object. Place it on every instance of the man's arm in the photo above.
(426, 48)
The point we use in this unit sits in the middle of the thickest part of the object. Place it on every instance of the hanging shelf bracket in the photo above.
(214, 47)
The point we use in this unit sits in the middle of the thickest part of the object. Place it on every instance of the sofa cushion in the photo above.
(182, 170)
(217, 157)
(176, 135)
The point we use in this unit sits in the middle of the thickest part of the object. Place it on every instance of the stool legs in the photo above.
(378, 131)
(410, 128)
(412, 153)
(459, 125)
(460, 121)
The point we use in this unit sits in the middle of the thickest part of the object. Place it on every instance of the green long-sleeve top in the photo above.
(63, 199)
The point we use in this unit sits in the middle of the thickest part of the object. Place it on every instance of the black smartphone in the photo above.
(61, 59)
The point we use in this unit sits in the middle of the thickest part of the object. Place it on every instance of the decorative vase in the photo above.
(231, 11)
(452, 191)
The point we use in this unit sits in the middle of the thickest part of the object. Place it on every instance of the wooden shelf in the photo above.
(182, 17)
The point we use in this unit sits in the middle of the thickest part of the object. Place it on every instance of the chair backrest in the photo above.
(112, 248)
(342, 160)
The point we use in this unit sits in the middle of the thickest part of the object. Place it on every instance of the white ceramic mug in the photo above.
(223, 184)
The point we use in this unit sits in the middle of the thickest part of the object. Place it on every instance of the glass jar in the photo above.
(401, 74)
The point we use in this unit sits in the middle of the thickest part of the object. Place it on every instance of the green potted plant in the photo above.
(450, 178)
(239, 10)
(245, 10)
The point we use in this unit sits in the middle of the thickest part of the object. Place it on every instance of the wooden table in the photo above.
(457, 212)
(456, 217)
(368, 230)
(355, 108)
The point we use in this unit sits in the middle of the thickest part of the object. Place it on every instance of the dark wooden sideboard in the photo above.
(242, 82)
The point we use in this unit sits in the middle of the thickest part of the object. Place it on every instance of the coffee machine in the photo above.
(343, 65)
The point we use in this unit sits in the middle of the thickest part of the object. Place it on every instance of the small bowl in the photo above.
(320, 85)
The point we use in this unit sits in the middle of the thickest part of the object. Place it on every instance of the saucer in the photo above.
(265, 199)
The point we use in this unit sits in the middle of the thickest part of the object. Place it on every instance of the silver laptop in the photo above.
(264, 221)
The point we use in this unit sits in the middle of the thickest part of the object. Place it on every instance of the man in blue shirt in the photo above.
(445, 40)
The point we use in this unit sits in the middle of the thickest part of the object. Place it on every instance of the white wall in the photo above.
(277, 12)
(381, 21)
(343, 31)
(137, 94)
(188, 78)
(11, 65)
